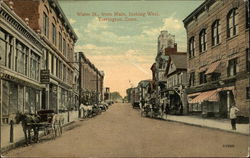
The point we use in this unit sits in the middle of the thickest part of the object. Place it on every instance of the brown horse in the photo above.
(28, 124)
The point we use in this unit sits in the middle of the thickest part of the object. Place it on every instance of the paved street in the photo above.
(122, 132)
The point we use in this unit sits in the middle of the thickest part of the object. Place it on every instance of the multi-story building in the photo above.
(48, 20)
(91, 81)
(218, 57)
(175, 74)
(21, 59)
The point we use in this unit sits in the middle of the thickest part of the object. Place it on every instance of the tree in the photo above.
(115, 96)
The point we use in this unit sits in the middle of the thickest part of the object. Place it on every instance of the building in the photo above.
(48, 20)
(176, 73)
(21, 60)
(218, 58)
(91, 81)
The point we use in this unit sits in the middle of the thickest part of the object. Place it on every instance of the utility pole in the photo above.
(80, 83)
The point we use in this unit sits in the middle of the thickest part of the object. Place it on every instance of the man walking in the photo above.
(233, 111)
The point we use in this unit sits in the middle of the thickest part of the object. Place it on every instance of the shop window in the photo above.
(216, 33)
(232, 67)
(192, 79)
(232, 23)
(203, 40)
(248, 59)
(191, 47)
(203, 78)
(46, 25)
(248, 92)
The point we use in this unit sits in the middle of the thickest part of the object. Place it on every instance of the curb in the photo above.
(203, 126)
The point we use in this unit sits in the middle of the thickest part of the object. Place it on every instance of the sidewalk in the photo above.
(19, 135)
(220, 124)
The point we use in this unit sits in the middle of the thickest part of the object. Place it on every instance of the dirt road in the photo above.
(122, 132)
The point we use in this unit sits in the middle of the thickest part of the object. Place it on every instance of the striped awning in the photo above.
(206, 96)
(212, 68)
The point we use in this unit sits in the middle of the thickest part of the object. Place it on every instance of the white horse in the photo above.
(87, 110)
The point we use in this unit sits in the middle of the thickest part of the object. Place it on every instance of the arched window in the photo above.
(216, 33)
(191, 47)
(203, 40)
(232, 23)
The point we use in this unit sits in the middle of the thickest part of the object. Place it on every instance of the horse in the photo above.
(27, 125)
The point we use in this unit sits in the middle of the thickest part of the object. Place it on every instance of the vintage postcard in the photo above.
(124, 78)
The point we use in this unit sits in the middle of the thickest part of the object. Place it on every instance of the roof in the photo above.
(197, 11)
(59, 9)
(180, 60)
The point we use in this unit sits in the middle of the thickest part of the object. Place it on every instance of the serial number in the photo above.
(228, 146)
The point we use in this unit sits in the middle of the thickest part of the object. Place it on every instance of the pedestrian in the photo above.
(233, 116)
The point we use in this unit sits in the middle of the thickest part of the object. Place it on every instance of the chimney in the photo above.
(27, 21)
(11, 4)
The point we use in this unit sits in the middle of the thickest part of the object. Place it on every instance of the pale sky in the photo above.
(125, 50)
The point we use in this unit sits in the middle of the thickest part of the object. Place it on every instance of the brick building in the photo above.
(21, 59)
(91, 81)
(48, 20)
(218, 57)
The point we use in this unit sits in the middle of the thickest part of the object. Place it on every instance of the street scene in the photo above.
(124, 78)
(122, 132)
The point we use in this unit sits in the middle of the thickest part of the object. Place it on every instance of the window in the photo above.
(64, 47)
(60, 70)
(21, 58)
(247, 14)
(46, 25)
(191, 47)
(248, 92)
(248, 59)
(60, 41)
(232, 67)
(216, 33)
(6, 48)
(52, 64)
(203, 78)
(192, 79)
(54, 34)
(203, 40)
(232, 23)
(34, 66)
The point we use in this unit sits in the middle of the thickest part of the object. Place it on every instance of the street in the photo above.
(122, 132)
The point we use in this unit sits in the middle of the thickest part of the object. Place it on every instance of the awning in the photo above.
(194, 94)
(212, 68)
(206, 96)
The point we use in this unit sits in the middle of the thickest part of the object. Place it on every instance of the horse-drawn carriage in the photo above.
(45, 120)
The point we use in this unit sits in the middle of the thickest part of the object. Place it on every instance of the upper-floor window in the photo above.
(192, 79)
(191, 47)
(248, 59)
(247, 14)
(232, 23)
(34, 66)
(46, 25)
(203, 40)
(216, 33)
(248, 92)
(64, 47)
(203, 78)
(232, 67)
(60, 41)
(21, 60)
(6, 49)
(54, 34)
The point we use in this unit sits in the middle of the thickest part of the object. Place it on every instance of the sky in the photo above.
(120, 37)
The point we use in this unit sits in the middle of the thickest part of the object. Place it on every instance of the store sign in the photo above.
(44, 76)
